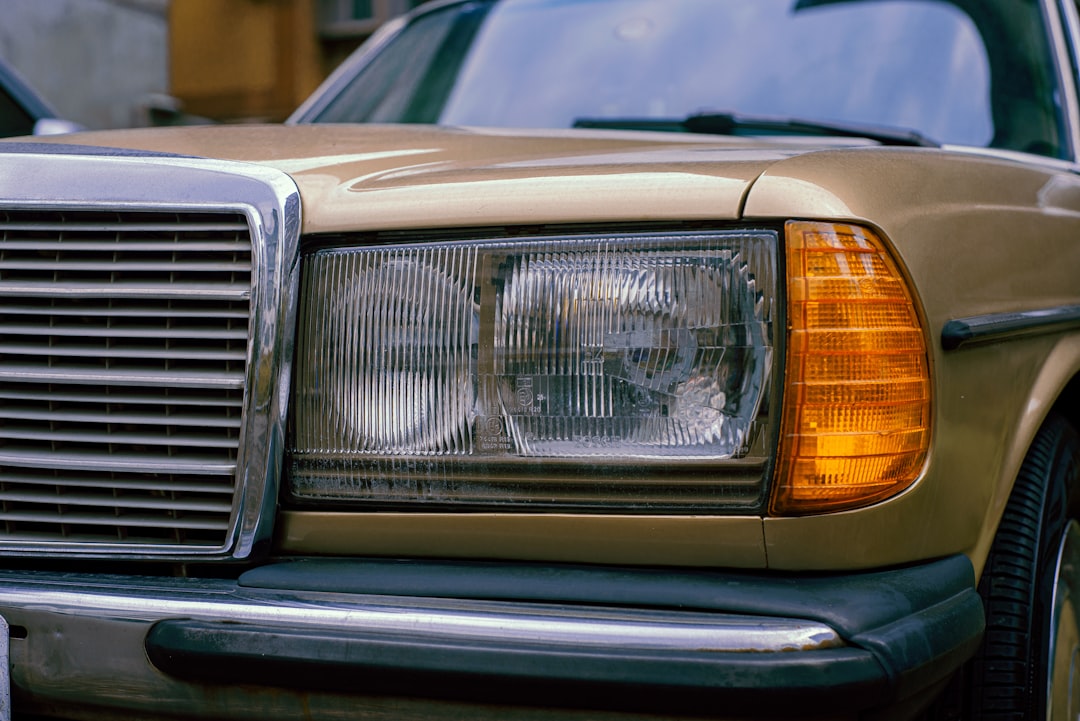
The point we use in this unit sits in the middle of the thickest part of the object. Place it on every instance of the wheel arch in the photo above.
(1056, 389)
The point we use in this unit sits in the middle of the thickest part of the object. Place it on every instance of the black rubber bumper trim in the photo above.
(851, 603)
(517, 674)
(906, 630)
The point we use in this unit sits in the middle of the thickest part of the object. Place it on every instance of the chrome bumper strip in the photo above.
(152, 600)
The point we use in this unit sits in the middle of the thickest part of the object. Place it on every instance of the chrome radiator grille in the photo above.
(123, 351)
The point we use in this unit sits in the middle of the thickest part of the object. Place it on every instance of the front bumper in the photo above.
(340, 638)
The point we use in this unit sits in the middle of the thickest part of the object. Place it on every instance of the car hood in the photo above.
(395, 177)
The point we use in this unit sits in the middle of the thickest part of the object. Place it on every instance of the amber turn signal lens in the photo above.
(856, 420)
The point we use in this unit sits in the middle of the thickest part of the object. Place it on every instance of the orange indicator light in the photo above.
(856, 421)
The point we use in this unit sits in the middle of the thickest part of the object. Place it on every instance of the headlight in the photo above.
(628, 372)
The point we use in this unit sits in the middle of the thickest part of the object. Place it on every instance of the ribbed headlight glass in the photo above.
(624, 371)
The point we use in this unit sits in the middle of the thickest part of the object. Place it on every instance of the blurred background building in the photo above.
(130, 63)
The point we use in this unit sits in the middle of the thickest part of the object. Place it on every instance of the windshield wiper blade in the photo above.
(656, 125)
(735, 124)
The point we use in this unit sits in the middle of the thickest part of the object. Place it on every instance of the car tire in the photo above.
(1028, 666)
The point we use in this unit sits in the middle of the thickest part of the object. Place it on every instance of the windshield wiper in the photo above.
(735, 124)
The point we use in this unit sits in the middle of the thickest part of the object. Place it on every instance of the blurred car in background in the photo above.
(24, 112)
(563, 359)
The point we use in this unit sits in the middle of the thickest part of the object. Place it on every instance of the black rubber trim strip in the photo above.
(1005, 326)
(850, 603)
(907, 629)
(518, 674)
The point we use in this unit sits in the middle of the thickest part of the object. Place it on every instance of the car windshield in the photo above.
(967, 72)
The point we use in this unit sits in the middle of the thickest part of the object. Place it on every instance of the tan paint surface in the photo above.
(394, 177)
(633, 540)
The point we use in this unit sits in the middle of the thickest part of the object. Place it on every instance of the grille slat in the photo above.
(45, 226)
(82, 266)
(110, 377)
(123, 358)
(172, 333)
(112, 310)
(121, 290)
(129, 520)
(143, 483)
(175, 419)
(130, 462)
(82, 245)
(132, 439)
(126, 396)
(86, 350)
(115, 502)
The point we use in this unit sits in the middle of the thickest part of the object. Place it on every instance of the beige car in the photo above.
(562, 359)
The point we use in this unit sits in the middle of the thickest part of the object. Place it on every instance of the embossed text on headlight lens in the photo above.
(423, 368)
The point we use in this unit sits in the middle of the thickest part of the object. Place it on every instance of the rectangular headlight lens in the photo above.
(627, 371)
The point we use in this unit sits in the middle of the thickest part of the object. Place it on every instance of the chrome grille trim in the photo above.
(124, 290)
(146, 314)
(104, 461)
(59, 374)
